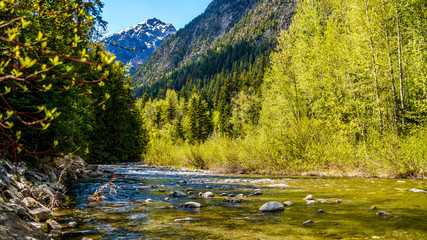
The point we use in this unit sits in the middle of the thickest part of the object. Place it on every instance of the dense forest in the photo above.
(343, 92)
(61, 93)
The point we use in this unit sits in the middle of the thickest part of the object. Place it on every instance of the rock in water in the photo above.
(272, 207)
(184, 220)
(192, 205)
(306, 223)
(177, 194)
(52, 224)
(257, 192)
(309, 197)
(72, 224)
(288, 204)
(320, 211)
(208, 195)
(383, 213)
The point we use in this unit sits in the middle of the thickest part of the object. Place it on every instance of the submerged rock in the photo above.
(272, 207)
(416, 190)
(185, 220)
(383, 213)
(168, 207)
(177, 194)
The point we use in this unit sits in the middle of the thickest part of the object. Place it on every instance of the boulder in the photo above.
(192, 205)
(42, 213)
(52, 224)
(30, 203)
(208, 195)
(272, 207)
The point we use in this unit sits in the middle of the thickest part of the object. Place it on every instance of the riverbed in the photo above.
(144, 208)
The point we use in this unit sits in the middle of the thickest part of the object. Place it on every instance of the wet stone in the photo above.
(52, 224)
(308, 222)
(185, 220)
(208, 195)
(72, 224)
(309, 197)
(192, 205)
(272, 207)
(168, 207)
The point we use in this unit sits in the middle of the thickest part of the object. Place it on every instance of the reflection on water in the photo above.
(346, 203)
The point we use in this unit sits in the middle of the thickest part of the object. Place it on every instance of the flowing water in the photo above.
(346, 203)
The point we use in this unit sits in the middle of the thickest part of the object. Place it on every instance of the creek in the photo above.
(346, 203)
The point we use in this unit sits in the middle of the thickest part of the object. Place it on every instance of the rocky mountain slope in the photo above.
(250, 27)
(145, 38)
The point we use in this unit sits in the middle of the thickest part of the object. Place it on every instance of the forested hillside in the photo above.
(344, 92)
(60, 92)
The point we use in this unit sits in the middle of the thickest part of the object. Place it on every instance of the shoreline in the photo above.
(28, 196)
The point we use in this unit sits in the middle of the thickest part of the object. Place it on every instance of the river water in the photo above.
(346, 203)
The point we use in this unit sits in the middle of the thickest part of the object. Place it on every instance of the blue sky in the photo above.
(121, 14)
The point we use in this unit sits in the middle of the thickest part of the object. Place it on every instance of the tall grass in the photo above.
(312, 151)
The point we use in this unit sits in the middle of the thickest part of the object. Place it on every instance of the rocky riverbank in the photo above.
(28, 196)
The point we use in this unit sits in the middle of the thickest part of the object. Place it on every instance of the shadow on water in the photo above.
(127, 215)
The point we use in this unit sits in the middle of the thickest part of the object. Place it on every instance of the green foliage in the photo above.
(54, 80)
(344, 93)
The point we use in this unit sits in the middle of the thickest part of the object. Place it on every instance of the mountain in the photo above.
(145, 38)
(228, 33)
